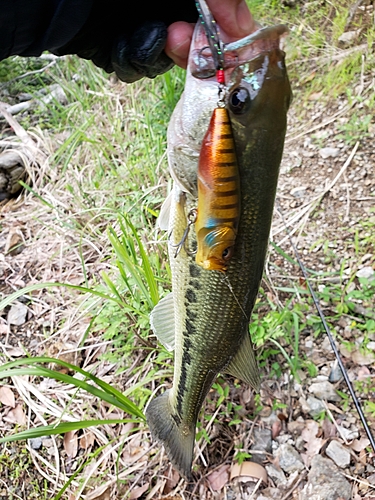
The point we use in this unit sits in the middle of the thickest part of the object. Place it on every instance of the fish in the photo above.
(205, 319)
(218, 194)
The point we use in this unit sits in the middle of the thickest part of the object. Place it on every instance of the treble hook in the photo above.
(192, 217)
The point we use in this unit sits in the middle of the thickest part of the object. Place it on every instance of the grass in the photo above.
(94, 215)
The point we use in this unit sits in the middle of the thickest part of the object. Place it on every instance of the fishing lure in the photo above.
(218, 209)
(218, 195)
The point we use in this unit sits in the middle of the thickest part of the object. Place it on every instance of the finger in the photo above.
(233, 17)
(178, 42)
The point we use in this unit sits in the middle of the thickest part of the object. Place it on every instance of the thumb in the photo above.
(233, 17)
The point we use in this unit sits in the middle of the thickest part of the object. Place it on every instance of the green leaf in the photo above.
(109, 393)
(61, 428)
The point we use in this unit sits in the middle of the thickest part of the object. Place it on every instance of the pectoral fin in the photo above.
(162, 322)
(243, 365)
(163, 219)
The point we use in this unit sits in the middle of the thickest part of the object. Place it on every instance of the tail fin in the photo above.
(177, 438)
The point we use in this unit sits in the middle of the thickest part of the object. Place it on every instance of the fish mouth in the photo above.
(236, 53)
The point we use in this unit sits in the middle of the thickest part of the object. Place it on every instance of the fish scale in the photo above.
(208, 312)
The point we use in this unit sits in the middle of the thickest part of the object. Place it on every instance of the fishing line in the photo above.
(228, 283)
(330, 336)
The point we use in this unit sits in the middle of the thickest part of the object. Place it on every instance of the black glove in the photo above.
(129, 37)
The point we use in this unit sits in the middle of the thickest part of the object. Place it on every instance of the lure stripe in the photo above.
(226, 179)
(228, 206)
(226, 164)
(225, 151)
(228, 193)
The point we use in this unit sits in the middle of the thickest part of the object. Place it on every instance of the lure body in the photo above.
(218, 194)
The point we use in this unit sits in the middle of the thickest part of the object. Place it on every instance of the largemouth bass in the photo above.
(206, 317)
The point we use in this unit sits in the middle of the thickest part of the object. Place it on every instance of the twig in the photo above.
(301, 478)
(333, 118)
(359, 480)
(30, 73)
(334, 422)
(309, 208)
(257, 486)
(336, 57)
(352, 11)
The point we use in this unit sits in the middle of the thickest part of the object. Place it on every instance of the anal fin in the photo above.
(244, 365)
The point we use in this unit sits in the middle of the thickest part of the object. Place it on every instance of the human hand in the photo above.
(148, 38)
(129, 39)
(233, 17)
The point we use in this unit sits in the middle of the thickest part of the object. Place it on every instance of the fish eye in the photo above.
(227, 253)
(239, 100)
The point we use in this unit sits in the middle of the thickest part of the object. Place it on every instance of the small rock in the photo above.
(316, 407)
(309, 344)
(365, 272)
(35, 443)
(329, 152)
(298, 192)
(296, 427)
(47, 442)
(348, 434)
(277, 475)
(325, 482)
(339, 454)
(362, 357)
(289, 459)
(348, 36)
(269, 419)
(326, 346)
(262, 444)
(17, 314)
(324, 390)
(360, 470)
(335, 373)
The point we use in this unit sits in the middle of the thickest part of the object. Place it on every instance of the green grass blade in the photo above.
(131, 407)
(61, 428)
(38, 286)
(150, 278)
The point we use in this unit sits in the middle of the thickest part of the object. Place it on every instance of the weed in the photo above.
(241, 455)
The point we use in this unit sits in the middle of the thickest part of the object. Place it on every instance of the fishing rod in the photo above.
(218, 48)
(330, 336)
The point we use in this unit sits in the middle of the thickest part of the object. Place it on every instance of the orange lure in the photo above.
(218, 195)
